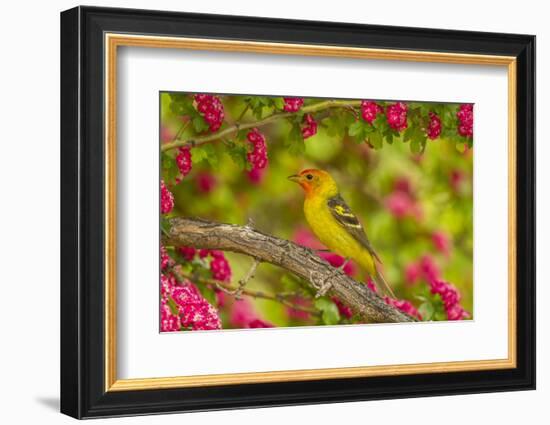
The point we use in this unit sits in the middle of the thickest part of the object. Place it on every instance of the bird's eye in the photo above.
(309, 177)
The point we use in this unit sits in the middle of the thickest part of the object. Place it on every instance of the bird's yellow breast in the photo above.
(332, 235)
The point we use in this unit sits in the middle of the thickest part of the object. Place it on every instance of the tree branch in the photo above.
(197, 141)
(295, 258)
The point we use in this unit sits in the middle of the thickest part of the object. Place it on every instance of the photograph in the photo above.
(380, 189)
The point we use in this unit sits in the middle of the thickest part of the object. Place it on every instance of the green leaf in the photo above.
(181, 104)
(205, 152)
(211, 154)
(440, 315)
(170, 169)
(426, 310)
(375, 139)
(381, 123)
(208, 294)
(241, 135)
(173, 306)
(165, 226)
(295, 142)
(389, 135)
(198, 154)
(407, 136)
(238, 155)
(329, 311)
(199, 124)
(355, 129)
(461, 147)
(418, 142)
(279, 103)
(297, 148)
(416, 146)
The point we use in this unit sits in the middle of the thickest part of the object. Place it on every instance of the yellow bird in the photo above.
(335, 225)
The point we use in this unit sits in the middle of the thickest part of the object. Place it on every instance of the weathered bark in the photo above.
(301, 261)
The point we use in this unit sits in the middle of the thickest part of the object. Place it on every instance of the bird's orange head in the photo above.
(316, 183)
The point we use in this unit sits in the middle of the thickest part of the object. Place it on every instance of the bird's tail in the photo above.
(382, 284)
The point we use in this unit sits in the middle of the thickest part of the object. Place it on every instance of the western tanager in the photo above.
(335, 225)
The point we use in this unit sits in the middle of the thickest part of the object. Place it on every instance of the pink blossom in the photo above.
(195, 312)
(370, 284)
(256, 175)
(258, 156)
(257, 323)
(167, 283)
(338, 261)
(396, 115)
(309, 128)
(304, 237)
(292, 104)
(166, 199)
(441, 242)
(369, 110)
(344, 310)
(165, 259)
(168, 321)
(429, 268)
(187, 252)
(211, 109)
(456, 312)
(425, 268)
(434, 126)
(243, 315)
(183, 160)
(403, 184)
(412, 273)
(166, 134)
(206, 182)
(403, 305)
(221, 298)
(298, 314)
(203, 253)
(465, 117)
(456, 178)
(402, 205)
(451, 299)
(449, 294)
(219, 267)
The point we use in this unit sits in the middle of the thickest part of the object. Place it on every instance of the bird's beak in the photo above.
(294, 178)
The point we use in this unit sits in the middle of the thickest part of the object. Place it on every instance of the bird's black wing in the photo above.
(345, 217)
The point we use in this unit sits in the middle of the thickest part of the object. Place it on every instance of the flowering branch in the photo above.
(301, 261)
(197, 141)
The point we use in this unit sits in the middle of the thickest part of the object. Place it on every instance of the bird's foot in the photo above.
(344, 264)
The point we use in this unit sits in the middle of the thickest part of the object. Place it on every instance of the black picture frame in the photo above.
(82, 212)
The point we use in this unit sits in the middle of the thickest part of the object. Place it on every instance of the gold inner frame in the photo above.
(113, 41)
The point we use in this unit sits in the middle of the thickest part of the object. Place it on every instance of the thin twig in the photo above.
(231, 289)
(246, 279)
(181, 130)
(242, 115)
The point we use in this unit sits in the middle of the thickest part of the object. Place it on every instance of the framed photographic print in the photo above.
(261, 212)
